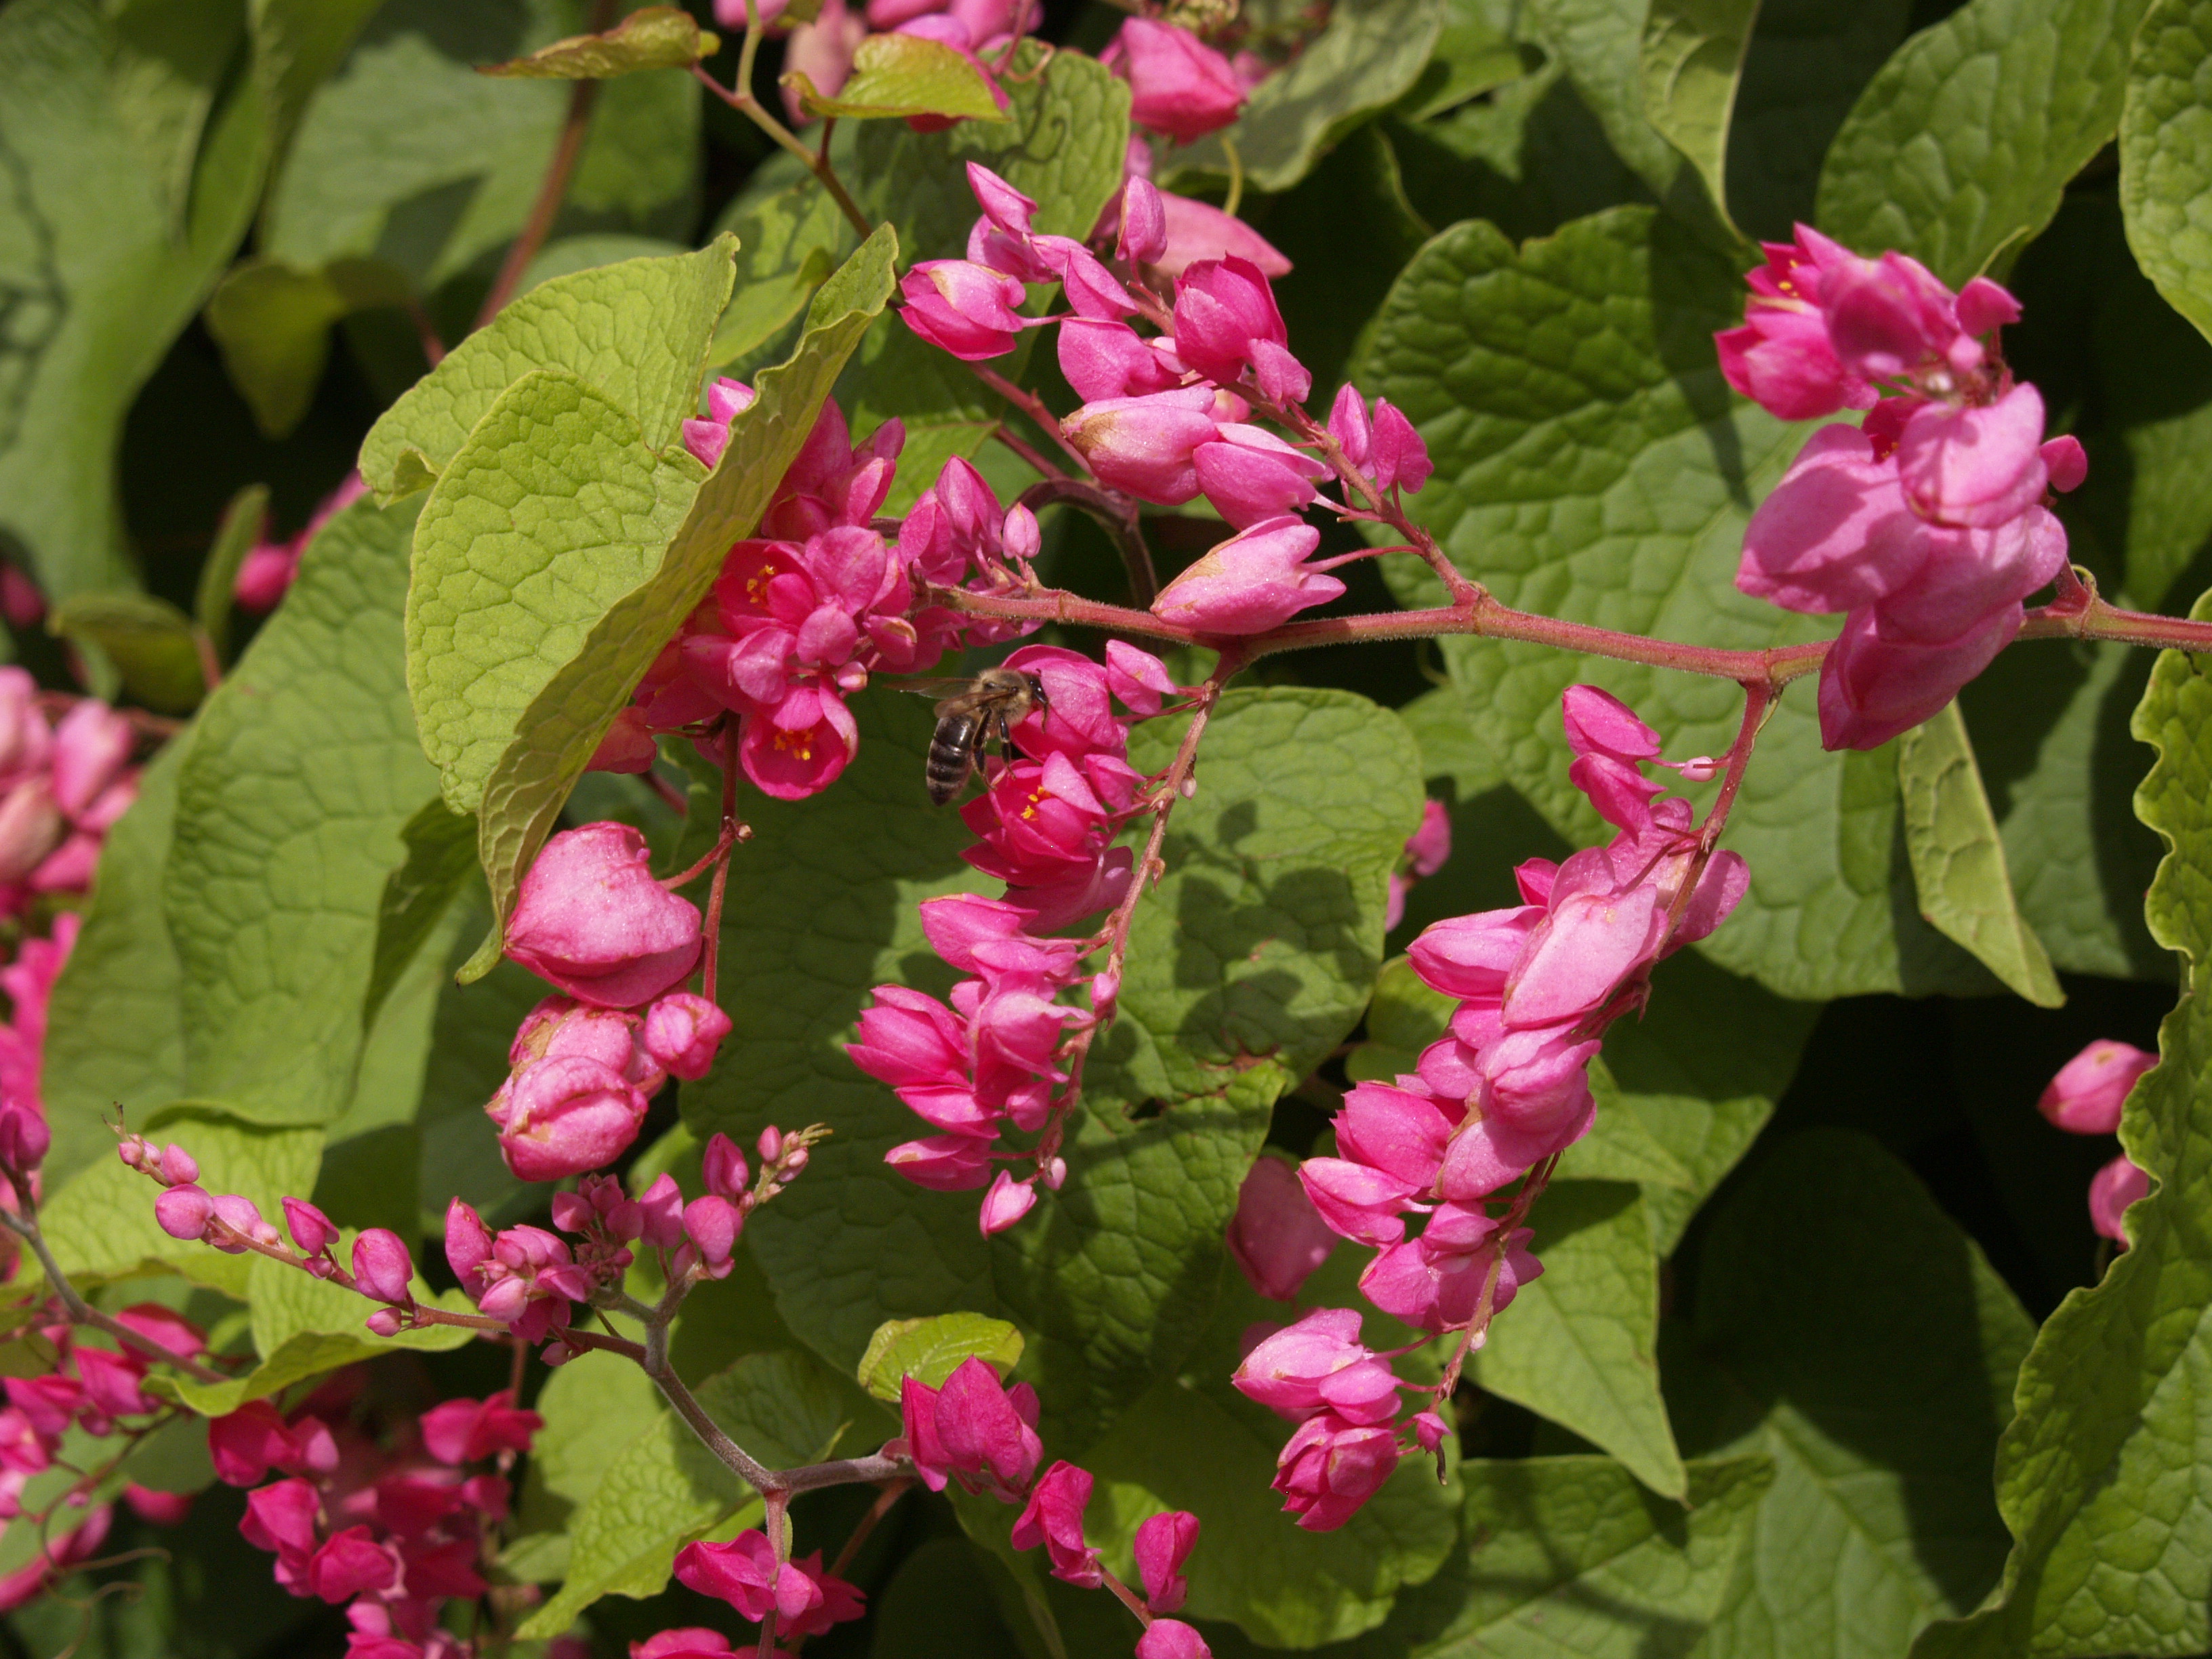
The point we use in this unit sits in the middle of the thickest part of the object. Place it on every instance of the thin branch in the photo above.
(582, 95)
(1116, 514)
(1033, 406)
(81, 1312)
(746, 105)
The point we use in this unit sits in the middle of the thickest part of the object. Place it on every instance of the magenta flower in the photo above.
(591, 920)
(2086, 1097)
(1276, 1237)
(1054, 1518)
(1145, 445)
(1226, 321)
(1178, 85)
(2111, 1190)
(1249, 475)
(1170, 1638)
(682, 1032)
(970, 310)
(1162, 1543)
(745, 1573)
(973, 1430)
(1330, 1467)
(1782, 357)
(1318, 1365)
(1256, 581)
(382, 1267)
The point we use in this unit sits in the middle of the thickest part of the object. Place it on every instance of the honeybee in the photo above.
(988, 706)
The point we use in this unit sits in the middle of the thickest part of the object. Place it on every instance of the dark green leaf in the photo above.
(152, 645)
(441, 862)
(2166, 154)
(273, 322)
(243, 523)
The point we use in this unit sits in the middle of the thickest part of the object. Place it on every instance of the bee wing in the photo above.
(927, 685)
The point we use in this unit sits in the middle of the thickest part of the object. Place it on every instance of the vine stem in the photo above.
(81, 1312)
(582, 95)
(746, 105)
(1033, 406)
(1116, 513)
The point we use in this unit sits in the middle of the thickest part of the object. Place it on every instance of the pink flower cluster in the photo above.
(1506, 1089)
(975, 1431)
(532, 1278)
(392, 1523)
(1167, 418)
(803, 613)
(744, 1572)
(270, 568)
(995, 1058)
(2085, 1098)
(61, 788)
(980, 31)
(592, 919)
(96, 1391)
(1925, 525)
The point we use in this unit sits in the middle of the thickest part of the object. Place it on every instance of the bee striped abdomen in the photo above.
(951, 754)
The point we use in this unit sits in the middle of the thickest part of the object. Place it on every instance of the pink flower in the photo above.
(691, 1643)
(1104, 359)
(1974, 467)
(1318, 1365)
(682, 1032)
(246, 1443)
(1142, 235)
(1255, 581)
(1426, 850)
(973, 1428)
(562, 1116)
(1276, 1237)
(969, 310)
(184, 1212)
(2086, 1097)
(1146, 445)
(1226, 321)
(591, 920)
(382, 1267)
(1170, 1638)
(1163, 1543)
(823, 52)
(2111, 1189)
(1198, 230)
(707, 437)
(1053, 1517)
(1331, 1467)
(311, 1229)
(1178, 86)
(1006, 1203)
(468, 1430)
(745, 1573)
(1781, 358)
(1249, 475)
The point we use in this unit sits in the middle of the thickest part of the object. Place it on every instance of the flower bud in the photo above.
(724, 1167)
(31, 826)
(1006, 1203)
(2086, 1097)
(1170, 1638)
(660, 1214)
(1255, 580)
(2111, 1189)
(1277, 1236)
(1348, 425)
(184, 1212)
(1144, 445)
(1178, 85)
(177, 1164)
(381, 1266)
(563, 1115)
(683, 1031)
(311, 1229)
(1019, 535)
(468, 1242)
(591, 920)
(385, 1322)
(238, 1214)
(1163, 1543)
(769, 1145)
(24, 1137)
(92, 746)
(967, 309)
(1249, 475)
(713, 1224)
(1399, 459)
(1226, 321)
(1143, 236)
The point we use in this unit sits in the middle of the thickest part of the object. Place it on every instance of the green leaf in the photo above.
(2166, 154)
(1958, 151)
(553, 737)
(593, 1406)
(1473, 55)
(272, 320)
(128, 169)
(1579, 1345)
(1367, 57)
(474, 1028)
(666, 1488)
(571, 254)
(1958, 859)
(650, 38)
(902, 75)
(303, 773)
(1600, 43)
(937, 1604)
(930, 1350)
(2107, 1555)
(409, 155)
(243, 522)
(150, 641)
(1847, 1330)
(788, 241)
(101, 1223)
(1592, 465)
(115, 1031)
(552, 510)
(1692, 61)
(632, 333)
(440, 864)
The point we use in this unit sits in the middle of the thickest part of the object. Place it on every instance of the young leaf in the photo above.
(650, 38)
(1364, 60)
(903, 75)
(243, 521)
(1959, 859)
(1847, 1330)
(1591, 463)
(1692, 61)
(2105, 1555)
(930, 1350)
(555, 734)
(2166, 154)
(304, 770)
(1959, 149)
(634, 332)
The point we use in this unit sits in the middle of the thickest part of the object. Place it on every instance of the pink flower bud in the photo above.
(352, 1563)
(385, 1322)
(713, 1224)
(24, 1137)
(1331, 1467)
(1170, 1638)
(1226, 321)
(724, 1167)
(660, 1214)
(562, 1116)
(1277, 1236)
(1249, 475)
(1144, 445)
(942, 1164)
(682, 1032)
(769, 1145)
(1255, 580)
(1429, 1429)
(2065, 460)
(593, 920)
(1018, 534)
(1053, 1517)
(1144, 236)
(1974, 467)
(1399, 460)
(1319, 1364)
(177, 1164)
(31, 826)
(1348, 424)
(238, 1214)
(1103, 358)
(1178, 85)
(468, 1242)
(628, 745)
(311, 1229)
(381, 1266)
(707, 439)
(967, 309)
(92, 746)
(1198, 230)
(690, 1642)
(1163, 1543)
(2111, 1189)
(2086, 1097)
(1006, 1203)
(184, 1212)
